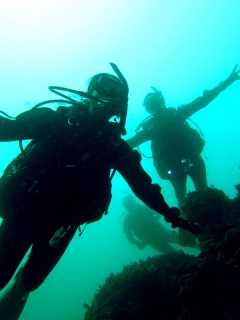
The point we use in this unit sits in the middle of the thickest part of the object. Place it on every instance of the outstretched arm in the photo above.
(31, 124)
(208, 95)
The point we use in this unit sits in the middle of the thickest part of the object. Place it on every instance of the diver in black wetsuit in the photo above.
(143, 228)
(62, 180)
(176, 147)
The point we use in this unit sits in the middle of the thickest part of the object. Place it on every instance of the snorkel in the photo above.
(160, 95)
(123, 116)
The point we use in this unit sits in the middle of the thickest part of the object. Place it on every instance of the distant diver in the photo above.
(143, 228)
(176, 147)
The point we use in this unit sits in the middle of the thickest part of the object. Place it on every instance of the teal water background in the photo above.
(182, 47)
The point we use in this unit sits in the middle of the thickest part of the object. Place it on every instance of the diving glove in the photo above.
(173, 216)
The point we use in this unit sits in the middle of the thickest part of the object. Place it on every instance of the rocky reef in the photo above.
(179, 286)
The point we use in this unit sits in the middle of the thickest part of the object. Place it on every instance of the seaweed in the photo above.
(144, 288)
(180, 286)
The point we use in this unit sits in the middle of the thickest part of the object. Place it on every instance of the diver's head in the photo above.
(154, 101)
(129, 203)
(108, 88)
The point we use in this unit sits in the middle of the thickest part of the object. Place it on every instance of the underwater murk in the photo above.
(182, 48)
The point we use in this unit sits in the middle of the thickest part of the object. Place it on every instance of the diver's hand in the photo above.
(231, 78)
(193, 227)
(173, 216)
(234, 74)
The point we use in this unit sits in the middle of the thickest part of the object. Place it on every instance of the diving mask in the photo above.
(109, 87)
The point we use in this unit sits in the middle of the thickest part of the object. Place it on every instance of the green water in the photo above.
(182, 47)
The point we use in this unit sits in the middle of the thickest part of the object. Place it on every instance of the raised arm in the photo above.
(208, 95)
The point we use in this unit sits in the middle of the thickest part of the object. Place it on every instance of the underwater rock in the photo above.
(178, 286)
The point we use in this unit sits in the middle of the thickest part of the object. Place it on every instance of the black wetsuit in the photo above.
(66, 180)
(176, 147)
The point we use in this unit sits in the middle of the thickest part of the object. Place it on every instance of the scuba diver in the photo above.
(143, 228)
(62, 180)
(176, 147)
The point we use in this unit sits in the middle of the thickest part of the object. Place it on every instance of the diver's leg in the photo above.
(198, 173)
(199, 177)
(13, 301)
(41, 261)
(179, 182)
(15, 240)
(43, 258)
